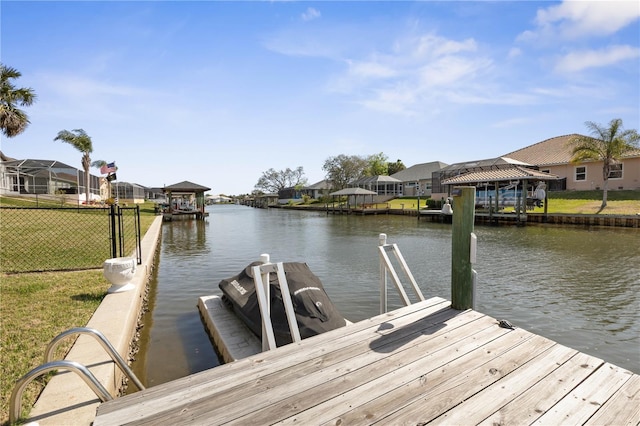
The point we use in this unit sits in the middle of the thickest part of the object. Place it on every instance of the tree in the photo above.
(79, 139)
(13, 120)
(378, 165)
(343, 169)
(606, 144)
(395, 167)
(273, 181)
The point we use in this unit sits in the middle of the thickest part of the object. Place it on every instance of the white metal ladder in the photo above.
(261, 281)
(15, 403)
(386, 267)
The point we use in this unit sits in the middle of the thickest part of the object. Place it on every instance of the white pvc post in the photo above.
(382, 241)
(266, 308)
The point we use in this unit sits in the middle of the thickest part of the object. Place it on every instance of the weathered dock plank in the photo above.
(500, 393)
(419, 364)
(537, 399)
(584, 400)
(624, 406)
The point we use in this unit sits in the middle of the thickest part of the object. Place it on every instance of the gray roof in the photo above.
(32, 164)
(419, 171)
(185, 186)
(323, 184)
(490, 163)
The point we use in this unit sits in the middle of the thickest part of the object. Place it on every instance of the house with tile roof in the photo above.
(417, 179)
(554, 156)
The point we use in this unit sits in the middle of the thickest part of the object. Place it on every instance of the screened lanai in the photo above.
(44, 177)
(381, 185)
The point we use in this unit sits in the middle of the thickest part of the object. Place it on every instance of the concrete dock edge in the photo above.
(67, 399)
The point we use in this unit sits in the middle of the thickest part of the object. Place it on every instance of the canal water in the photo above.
(577, 286)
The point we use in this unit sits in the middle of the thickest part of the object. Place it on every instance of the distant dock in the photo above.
(169, 216)
(422, 364)
(623, 221)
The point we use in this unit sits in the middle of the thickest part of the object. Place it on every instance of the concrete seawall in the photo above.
(67, 399)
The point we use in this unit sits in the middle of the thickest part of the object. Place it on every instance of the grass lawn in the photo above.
(569, 202)
(36, 307)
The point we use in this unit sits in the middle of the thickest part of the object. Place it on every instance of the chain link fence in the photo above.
(34, 239)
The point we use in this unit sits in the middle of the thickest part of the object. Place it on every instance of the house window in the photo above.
(615, 171)
(581, 173)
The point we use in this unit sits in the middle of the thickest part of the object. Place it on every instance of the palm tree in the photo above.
(606, 144)
(82, 142)
(13, 120)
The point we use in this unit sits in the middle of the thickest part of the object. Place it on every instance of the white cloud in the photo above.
(438, 46)
(584, 59)
(310, 14)
(450, 71)
(577, 19)
(414, 73)
(399, 100)
(370, 69)
(514, 52)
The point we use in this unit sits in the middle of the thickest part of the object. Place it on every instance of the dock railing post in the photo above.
(382, 240)
(461, 248)
(265, 258)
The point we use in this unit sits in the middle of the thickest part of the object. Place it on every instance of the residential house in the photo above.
(318, 189)
(386, 187)
(416, 180)
(46, 178)
(293, 193)
(156, 195)
(554, 156)
(128, 192)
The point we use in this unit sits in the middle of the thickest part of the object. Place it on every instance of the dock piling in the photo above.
(461, 248)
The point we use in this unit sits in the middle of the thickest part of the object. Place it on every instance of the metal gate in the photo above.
(124, 227)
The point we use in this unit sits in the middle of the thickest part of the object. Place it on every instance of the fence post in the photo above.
(138, 237)
(462, 230)
(112, 214)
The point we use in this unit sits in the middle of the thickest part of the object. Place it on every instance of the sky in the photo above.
(217, 92)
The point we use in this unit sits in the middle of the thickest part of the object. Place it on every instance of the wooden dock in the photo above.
(424, 363)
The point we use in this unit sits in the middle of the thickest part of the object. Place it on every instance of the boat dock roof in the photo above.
(424, 363)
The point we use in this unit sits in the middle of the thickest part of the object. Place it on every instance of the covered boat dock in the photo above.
(518, 186)
(186, 200)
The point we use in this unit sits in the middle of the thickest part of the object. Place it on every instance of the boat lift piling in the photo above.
(463, 248)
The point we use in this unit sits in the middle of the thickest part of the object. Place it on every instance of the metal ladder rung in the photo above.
(387, 267)
(15, 404)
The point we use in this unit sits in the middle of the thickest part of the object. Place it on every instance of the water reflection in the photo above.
(574, 285)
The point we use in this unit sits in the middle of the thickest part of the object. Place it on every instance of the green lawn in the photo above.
(571, 202)
(35, 307)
